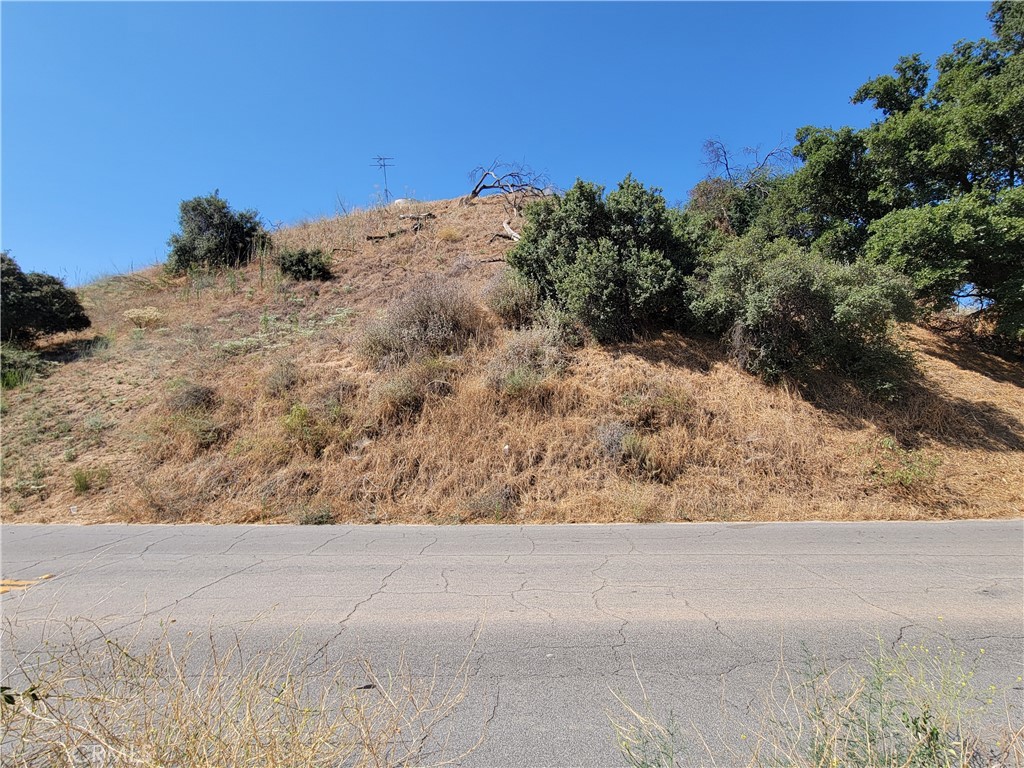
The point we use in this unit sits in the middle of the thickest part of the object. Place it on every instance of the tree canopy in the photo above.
(213, 235)
(932, 187)
(35, 304)
(809, 268)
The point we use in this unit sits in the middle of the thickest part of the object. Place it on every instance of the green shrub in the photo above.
(435, 318)
(213, 235)
(18, 365)
(617, 264)
(968, 248)
(785, 309)
(35, 304)
(86, 480)
(303, 264)
(901, 469)
(322, 421)
(564, 329)
(309, 432)
(513, 299)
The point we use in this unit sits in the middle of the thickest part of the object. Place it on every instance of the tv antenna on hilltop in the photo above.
(382, 163)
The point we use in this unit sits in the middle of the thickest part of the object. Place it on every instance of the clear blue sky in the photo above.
(112, 113)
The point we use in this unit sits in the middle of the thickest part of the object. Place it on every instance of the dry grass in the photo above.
(85, 698)
(900, 707)
(301, 421)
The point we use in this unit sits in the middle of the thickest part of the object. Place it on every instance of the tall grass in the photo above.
(193, 702)
(912, 706)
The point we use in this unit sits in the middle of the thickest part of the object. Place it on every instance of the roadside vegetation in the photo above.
(831, 333)
(904, 706)
(85, 698)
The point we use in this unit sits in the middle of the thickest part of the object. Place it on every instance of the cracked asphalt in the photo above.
(553, 620)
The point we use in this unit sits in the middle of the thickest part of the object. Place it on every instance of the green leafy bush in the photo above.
(616, 263)
(434, 318)
(213, 235)
(308, 431)
(35, 304)
(902, 469)
(786, 309)
(303, 264)
(85, 480)
(323, 421)
(967, 248)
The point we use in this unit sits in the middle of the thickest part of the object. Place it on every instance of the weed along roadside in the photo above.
(193, 705)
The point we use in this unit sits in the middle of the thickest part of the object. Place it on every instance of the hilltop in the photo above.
(241, 396)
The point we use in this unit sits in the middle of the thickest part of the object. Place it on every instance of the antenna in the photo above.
(382, 163)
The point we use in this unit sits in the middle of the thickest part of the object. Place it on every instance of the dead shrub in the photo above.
(283, 376)
(524, 366)
(144, 317)
(317, 514)
(611, 437)
(435, 318)
(513, 299)
(657, 405)
(401, 395)
(191, 398)
(494, 503)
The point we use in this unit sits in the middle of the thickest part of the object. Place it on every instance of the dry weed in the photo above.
(84, 697)
(901, 707)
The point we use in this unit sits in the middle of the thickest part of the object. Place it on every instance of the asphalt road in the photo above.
(553, 620)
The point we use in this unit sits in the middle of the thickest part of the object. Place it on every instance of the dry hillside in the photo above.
(245, 399)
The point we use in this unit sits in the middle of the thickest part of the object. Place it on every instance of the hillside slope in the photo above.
(247, 400)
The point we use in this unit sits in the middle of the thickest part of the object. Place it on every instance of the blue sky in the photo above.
(112, 113)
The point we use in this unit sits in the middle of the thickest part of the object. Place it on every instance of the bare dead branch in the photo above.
(509, 178)
(720, 161)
